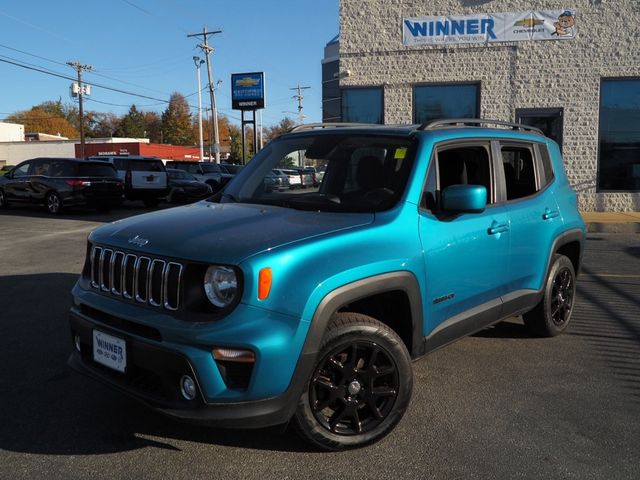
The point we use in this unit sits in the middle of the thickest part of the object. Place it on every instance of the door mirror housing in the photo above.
(464, 198)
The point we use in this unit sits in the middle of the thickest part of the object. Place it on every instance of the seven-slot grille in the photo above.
(146, 280)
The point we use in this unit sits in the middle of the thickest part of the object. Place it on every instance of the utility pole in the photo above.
(300, 97)
(204, 46)
(79, 67)
(198, 61)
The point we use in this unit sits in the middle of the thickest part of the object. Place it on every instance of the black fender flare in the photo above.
(401, 280)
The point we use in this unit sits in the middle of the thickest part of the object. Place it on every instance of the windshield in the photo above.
(211, 168)
(179, 175)
(363, 173)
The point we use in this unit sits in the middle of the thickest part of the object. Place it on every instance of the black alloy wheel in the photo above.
(360, 386)
(3, 199)
(562, 294)
(354, 388)
(551, 316)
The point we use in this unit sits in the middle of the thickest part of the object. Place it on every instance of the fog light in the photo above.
(76, 342)
(188, 387)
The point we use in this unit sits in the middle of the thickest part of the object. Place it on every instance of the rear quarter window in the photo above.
(147, 166)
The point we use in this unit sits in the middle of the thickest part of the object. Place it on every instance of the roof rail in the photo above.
(313, 126)
(476, 122)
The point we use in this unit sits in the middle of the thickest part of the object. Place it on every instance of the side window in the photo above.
(40, 167)
(546, 175)
(61, 168)
(22, 170)
(519, 171)
(459, 165)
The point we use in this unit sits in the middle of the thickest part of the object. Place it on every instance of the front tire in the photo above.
(552, 315)
(360, 387)
(53, 202)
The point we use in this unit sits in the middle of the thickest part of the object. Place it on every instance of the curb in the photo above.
(601, 227)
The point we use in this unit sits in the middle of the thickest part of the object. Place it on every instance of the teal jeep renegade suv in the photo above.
(259, 307)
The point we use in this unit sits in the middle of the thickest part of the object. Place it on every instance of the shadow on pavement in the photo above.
(49, 409)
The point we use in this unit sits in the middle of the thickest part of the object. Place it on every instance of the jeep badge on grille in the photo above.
(138, 241)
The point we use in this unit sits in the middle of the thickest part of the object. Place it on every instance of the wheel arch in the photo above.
(571, 245)
(364, 296)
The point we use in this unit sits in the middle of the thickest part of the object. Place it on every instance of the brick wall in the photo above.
(513, 75)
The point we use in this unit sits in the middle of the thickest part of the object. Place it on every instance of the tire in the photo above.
(552, 315)
(53, 203)
(360, 387)
(3, 200)
(151, 202)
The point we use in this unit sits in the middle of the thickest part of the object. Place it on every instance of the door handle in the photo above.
(496, 228)
(549, 214)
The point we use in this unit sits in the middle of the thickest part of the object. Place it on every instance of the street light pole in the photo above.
(198, 61)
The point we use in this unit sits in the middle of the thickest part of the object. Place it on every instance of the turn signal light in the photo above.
(234, 355)
(264, 283)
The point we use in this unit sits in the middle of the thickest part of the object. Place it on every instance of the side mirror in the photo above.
(464, 198)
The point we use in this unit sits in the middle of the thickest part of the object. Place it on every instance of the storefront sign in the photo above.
(490, 28)
(247, 91)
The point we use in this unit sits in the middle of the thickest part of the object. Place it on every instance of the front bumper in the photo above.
(157, 360)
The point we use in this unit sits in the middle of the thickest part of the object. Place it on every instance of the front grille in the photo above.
(150, 281)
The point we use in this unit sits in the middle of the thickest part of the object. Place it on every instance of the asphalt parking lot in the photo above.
(499, 404)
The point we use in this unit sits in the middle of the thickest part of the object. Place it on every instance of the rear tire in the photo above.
(552, 315)
(53, 203)
(360, 387)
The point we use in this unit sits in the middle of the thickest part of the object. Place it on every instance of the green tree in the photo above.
(281, 127)
(176, 122)
(132, 124)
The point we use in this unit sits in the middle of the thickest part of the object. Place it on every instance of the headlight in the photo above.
(220, 285)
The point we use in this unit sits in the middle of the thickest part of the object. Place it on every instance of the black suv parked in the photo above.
(61, 182)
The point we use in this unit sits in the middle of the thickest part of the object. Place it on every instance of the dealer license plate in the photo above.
(109, 351)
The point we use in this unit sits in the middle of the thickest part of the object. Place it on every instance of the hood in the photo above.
(222, 233)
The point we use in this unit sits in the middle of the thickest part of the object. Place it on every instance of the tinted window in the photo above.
(362, 105)
(96, 170)
(546, 175)
(211, 168)
(469, 165)
(619, 163)
(179, 175)
(22, 170)
(445, 101)
(146, 165)
(519, 171)
(40, 167)
(60, 168)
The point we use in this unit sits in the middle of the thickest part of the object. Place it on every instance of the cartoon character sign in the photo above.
(564, 25)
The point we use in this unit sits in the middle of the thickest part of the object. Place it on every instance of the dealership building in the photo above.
(571, 69)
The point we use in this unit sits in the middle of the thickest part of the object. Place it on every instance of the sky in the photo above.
(141, 46)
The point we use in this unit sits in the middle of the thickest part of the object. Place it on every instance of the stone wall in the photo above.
(513, 75)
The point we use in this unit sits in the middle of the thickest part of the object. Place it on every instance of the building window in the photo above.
(362, 105)
(431, 102)
(549, 120)
(619, 158)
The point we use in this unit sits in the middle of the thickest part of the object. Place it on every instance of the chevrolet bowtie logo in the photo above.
(529, 23)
